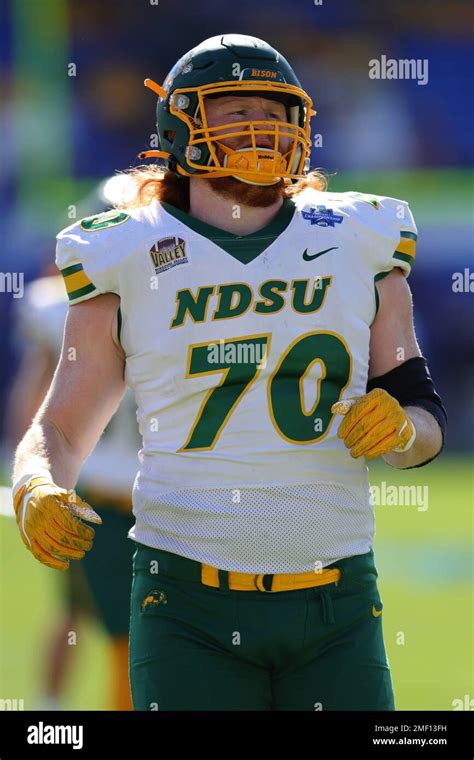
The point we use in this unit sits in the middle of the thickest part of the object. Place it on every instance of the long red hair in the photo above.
(152, 182)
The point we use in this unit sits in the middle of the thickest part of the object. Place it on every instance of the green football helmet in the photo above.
(232, 64)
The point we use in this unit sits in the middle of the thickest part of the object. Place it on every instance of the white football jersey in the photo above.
(237, 346)
(112, 467)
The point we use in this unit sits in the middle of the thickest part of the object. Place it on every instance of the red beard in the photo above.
(258, 196)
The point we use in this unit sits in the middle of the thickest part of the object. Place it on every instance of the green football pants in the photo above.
(194, 647)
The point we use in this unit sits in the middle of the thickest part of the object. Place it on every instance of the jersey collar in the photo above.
(244, 248)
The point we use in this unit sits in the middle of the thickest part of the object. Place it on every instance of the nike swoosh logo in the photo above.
(306, 256)
(375, 612)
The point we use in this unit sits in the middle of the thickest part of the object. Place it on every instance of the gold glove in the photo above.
(374, 424)
(47, 517)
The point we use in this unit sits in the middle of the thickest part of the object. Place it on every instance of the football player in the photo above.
(265, 326)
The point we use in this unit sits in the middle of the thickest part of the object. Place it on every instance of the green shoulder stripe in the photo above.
(71, 270)
(409, 235)
(404, 257)
(81, 292)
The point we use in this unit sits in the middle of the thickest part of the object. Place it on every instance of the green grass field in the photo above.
(425, 564)
(424, 559)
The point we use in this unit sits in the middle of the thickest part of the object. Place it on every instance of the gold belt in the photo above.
(276, 582)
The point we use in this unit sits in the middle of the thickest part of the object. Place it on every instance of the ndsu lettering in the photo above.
(234, 299)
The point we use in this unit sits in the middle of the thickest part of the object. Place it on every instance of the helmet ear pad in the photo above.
(175, 135)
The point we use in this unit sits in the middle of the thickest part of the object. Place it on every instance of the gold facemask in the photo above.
(252, 163)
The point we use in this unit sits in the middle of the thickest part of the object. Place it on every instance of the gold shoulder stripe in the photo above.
(77, 282)
(407, 246)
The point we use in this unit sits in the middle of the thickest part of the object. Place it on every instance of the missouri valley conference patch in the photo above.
(168, 253)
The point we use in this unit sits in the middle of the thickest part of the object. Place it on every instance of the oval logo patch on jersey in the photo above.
(168, 253)
(102, 221)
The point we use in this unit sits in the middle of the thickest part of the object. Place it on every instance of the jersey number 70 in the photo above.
(284, 386)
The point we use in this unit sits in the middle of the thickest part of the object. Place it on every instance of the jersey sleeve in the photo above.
(388, 229)
(85, 256)
(401, 218)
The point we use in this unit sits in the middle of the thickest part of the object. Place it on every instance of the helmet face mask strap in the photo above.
(196, 149)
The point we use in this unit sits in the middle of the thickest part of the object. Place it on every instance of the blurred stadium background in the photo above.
(74, 110)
